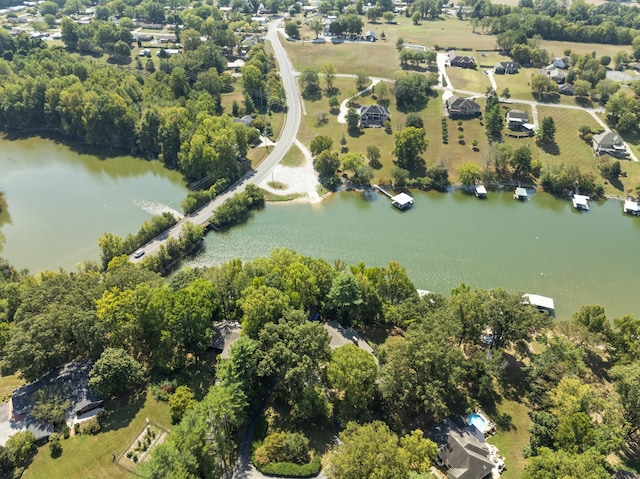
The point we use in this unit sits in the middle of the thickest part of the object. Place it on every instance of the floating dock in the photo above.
(480, 191)
(631, 207)
(401, 201)
(520, 194)
(581, 202)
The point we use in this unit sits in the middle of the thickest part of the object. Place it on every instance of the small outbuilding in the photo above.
(370, 36)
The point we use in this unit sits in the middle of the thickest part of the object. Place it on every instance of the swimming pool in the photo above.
(477, 420)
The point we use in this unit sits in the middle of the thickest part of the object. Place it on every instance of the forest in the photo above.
(579, 379)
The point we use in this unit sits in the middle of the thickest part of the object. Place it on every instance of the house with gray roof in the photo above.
(462, 450)
(373, 116)
(70, 381)
(462, 61)
(509, 68)
(610, 143)
(516, 118)
(462, 106)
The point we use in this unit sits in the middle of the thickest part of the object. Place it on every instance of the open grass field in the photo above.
(294, 157)
(468, 79)
(88, 456)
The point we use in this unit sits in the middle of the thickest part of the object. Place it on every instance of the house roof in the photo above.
(566, 88)
(374, 110)
(517, 115)
(457, 103)
(466, 455)
(245, 120)
(369, 33)
(540, 301)
(508, 65)
(607, 138)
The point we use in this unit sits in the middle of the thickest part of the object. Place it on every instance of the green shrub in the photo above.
(54, 445)
(288, 469)
(90, 426)
(163, 390)
(66, 432)
(236, 209)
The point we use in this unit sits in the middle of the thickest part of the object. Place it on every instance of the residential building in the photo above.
(461, 61)
(610, 143)
(462, 106)
(509, 68)
(373, 116)
(516, 118)
(557, 75)
(370, 36)
(566, 89)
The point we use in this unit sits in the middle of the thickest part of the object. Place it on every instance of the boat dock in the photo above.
(520, 194)
(480, 191)
(631, 207)
(543, 303)
(581, 202)
(401, 201)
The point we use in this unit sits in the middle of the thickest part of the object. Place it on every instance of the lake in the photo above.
(60, 202)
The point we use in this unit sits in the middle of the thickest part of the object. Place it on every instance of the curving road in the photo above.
(262, 171)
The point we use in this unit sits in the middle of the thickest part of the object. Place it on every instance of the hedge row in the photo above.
(288, 469)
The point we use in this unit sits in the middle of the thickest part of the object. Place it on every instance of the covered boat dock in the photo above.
(520, 194)
(581, 202)
(631, 207)
(541, 302)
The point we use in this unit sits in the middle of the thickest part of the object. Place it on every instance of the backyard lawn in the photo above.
(512, 440)
(7, 385)
(91, 456)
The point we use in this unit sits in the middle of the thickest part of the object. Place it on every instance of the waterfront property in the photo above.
(463, 451)
(520, 194)
(631, 207)
(581, 202)
(543, 303)
(609, 142)
(480, 191)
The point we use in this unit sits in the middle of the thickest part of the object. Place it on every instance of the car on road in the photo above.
(139, 254)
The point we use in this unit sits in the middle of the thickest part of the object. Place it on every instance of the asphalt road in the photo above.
(262, 171)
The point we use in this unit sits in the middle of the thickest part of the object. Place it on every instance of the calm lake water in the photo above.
(60, 202)
(542, 246)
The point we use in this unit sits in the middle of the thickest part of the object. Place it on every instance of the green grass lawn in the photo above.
(510, 441)
(7, 385)
(468, 79)
(91, 456)
(294, 157)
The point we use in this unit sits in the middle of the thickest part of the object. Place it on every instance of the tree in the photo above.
(542, 85)
(180, 402)
(416, 17)
(410, 143)
(310, 81)
(362, 80)
(468, 174)
(373, 155)
(21, 445)
(329, 72)
(548, 132)
(327, 163)
(388, 17)
(506, 94)
(420, 452)
(552, 464)
(291, 29)
(412, 90)
(262, 305)
(115, 373)
(334, 103)
(344, 299)
(319, 144)
(373, 14)
(353, 119)
(413, 119)
(627, 385)
(368, 451)
(351, 374)
(316, 26)
(352, 161)
(521, 162)
(423, 374)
